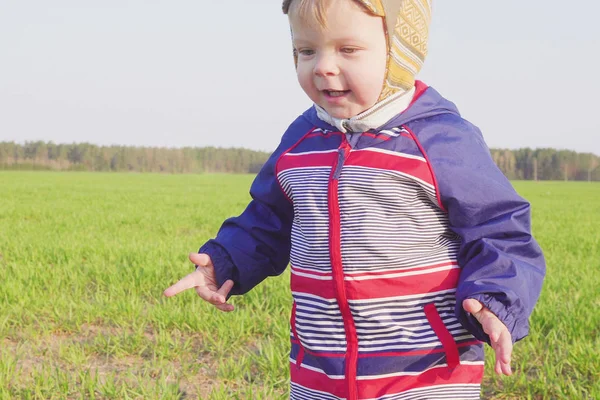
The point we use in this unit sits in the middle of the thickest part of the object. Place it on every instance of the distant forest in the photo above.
(525, 164)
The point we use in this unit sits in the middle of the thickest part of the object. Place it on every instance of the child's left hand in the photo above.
(498, 332)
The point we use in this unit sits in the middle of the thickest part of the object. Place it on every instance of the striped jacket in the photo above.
(386, 232)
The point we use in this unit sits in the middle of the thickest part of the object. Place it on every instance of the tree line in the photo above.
(525, 164)
(89, 157)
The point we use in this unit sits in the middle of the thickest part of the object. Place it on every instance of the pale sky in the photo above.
(198, 73)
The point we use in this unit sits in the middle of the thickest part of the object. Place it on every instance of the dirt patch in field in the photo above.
(9, 344)
(76, 355)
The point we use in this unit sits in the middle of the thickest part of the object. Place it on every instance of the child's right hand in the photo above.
(204, 280)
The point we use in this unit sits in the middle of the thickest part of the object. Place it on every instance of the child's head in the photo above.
(341, 54)
(346, 61)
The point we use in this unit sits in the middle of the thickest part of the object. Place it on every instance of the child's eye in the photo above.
(306, 52)
(348, 50)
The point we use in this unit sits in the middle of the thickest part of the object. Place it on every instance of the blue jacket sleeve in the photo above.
(256, 244)
(502, 265)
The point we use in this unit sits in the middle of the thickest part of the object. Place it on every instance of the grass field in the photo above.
(84, 258)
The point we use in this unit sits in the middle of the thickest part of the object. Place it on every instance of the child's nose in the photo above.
(326, 65)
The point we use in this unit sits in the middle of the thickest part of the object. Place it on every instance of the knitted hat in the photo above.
(407, 24)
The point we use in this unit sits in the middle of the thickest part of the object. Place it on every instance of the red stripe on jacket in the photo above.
(378, 387)
(392, 162)
(289, 161)
(403, 285)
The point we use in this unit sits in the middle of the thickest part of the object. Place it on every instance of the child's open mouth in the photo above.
(336, 93)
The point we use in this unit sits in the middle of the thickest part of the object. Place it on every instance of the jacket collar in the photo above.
(374, 117)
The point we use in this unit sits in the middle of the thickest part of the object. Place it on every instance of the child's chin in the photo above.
(340, 114)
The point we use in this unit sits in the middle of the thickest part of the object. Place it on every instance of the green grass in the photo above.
(84, 258)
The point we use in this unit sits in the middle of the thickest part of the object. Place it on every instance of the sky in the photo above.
(220, 73)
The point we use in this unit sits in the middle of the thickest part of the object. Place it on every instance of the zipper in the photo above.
(335, 244)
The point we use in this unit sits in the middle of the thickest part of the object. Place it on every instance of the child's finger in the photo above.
(184, 283)
(498, 367)
(498, 331)
(492, 325)
(210, 295)
(505, 347)
(488, 320)
(502, 368)
(503, 350)
(499, 335)
(506, 369)
(215, 297)
(472, 306)
(225, 307)
(225, 289)
(200, 259)
(483, 316)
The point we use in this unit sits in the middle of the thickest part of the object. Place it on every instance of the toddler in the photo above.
(408, 247)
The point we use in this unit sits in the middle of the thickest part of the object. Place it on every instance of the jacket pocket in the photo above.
(443, 334)
(300, 355)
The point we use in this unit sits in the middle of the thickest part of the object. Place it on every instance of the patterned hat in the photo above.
(407, 23)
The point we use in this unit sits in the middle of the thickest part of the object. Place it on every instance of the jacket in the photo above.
(386, 233)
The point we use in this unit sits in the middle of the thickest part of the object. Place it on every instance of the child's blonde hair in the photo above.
(313, 9)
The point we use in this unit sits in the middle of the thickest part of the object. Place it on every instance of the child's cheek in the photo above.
(305, 80)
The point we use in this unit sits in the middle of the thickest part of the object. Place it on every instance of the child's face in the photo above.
(341, 67)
